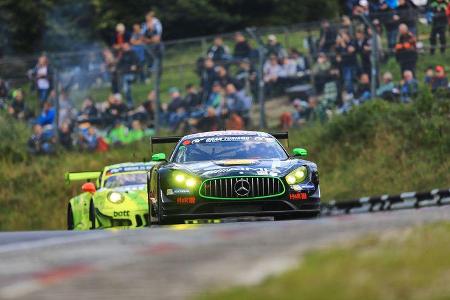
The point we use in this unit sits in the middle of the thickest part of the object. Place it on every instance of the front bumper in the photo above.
(172, 212)
(123, 218)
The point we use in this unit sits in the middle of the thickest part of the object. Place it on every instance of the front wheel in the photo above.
(92, 217)
(70, 224)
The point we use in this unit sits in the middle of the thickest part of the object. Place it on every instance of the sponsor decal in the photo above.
(178, 192)
(118, 214)
(186, 200)
(129, 169)
(237, 162)
(298, 196)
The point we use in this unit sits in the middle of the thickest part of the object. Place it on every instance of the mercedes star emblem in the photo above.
(242, 187)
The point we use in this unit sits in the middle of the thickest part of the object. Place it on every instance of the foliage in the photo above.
(68, 25)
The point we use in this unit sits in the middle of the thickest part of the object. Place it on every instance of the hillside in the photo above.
(378, 148)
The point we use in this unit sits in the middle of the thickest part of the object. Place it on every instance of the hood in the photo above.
(210, 169)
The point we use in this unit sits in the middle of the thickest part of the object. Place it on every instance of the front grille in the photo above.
(245, 187)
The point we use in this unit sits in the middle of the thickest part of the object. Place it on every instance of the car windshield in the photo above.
(228, 148)
(125, 179)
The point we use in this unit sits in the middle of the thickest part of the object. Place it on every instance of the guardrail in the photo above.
(436, 197)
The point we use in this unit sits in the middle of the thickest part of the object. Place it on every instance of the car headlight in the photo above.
(115, 197)
(297, 176)
(182, 179)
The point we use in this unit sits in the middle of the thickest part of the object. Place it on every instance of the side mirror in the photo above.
(300, 152)
(89, 187)
(159, 157)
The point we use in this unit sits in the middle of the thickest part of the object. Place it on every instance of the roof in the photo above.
(226, 133)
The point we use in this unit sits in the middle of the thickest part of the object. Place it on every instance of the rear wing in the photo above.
(81, 176)
(165, 140)
(176, 139)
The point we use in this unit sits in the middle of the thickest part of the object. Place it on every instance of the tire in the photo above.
(70, 225)
(92, 217)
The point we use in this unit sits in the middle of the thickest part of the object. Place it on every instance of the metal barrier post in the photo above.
(260, 76)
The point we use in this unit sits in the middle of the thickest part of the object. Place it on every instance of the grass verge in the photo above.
(409, 265)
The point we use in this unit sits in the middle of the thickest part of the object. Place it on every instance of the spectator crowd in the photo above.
(331, 76)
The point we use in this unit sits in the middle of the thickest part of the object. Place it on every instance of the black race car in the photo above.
(222, 174)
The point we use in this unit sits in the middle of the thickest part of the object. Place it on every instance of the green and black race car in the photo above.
(117, 199)
(224, 174)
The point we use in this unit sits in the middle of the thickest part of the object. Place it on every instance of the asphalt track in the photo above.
(176, 262)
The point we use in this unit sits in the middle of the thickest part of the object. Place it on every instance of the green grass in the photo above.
(406, 265)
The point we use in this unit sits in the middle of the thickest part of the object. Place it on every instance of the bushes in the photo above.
(382, 148)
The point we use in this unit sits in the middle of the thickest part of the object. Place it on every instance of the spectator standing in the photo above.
(408, 87)
(218, 52)
(439, 25)
(138, 46)
(327, 37)
(321, 72)
(242, 48)
(273, 47)
(364, 49)
(207, 77)
(439, 80)
(152, 29)
(110, 70)
(127, 68)
(406, 50)
(390, 20)
(42, 74)
(121, 36)
(346, 57)
(407, 13)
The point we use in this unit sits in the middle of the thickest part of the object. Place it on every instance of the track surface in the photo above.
(174, 262)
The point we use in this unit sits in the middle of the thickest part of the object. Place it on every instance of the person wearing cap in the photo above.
(406, 50)
(439, 80)
(439, 25)
(273, 47)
